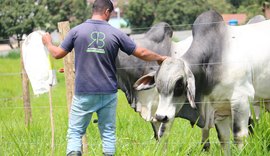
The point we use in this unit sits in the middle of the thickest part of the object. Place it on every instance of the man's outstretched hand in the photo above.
(47, 39)
(162, 59)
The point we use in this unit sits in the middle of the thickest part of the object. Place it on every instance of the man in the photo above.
(96, 45)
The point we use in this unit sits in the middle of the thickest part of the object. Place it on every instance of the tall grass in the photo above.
(134, 135)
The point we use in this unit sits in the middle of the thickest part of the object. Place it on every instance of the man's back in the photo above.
(96, 45)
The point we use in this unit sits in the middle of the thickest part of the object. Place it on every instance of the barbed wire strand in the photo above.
(10, 74)
(64, 106)
(137, 143)
(179, 25)
(122, 68)
(148, 28)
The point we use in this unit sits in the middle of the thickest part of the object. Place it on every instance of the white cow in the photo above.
(226, 65)
(258, 99)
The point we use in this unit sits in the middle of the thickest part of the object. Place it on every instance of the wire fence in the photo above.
(146, 142)
(133, 68)
(145, 29)
(44, 106)
(181, 25)
(11, 74)
(20, 97)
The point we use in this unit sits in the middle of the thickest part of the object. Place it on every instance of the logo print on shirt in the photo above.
(97, 42)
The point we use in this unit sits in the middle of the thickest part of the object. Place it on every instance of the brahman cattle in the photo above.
(258, 99)
(130, 68)
(148, 96)
(218, 75)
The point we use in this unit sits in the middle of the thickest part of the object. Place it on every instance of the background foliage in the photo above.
(18, 17)
(182, 13)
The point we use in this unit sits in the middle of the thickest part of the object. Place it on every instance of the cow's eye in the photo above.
(179, 87)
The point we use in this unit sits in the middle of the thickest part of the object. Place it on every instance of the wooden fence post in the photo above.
(68, 65)
(69, 71)
(26, 94)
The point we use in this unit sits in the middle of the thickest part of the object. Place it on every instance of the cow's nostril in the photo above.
(159, 117)
(162, 118)
(165, 119)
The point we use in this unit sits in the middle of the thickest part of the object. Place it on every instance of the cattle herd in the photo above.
(210, 79)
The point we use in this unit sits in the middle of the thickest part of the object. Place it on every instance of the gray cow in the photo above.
(130, 68)
(217, 73)
(149, 96)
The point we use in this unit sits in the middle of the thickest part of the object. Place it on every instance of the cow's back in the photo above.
(250, 50)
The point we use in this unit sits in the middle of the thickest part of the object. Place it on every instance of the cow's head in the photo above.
(175, 85)
(147, 96)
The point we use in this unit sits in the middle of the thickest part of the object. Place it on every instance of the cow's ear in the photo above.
(145, 82)
(190, 87)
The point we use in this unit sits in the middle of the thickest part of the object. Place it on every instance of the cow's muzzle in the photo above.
(162, 118)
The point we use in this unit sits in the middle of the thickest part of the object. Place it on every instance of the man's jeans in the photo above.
(83, 106)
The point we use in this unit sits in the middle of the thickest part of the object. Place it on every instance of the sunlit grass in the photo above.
(134, 135)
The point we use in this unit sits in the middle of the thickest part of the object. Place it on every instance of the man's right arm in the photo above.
(55, 51)
(148, 55)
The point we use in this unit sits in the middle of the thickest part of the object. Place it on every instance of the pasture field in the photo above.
(134, 135)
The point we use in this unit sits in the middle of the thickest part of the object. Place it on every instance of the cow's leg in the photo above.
(240, 117)
(223, 127)
(205, 139)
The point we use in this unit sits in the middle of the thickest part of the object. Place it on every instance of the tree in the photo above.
(80, 11)
(221, 6)
(178, 13)
(181, 13)
(18, 17)
(74, 11)
(141, 14)
(236, 3)
(251, 7)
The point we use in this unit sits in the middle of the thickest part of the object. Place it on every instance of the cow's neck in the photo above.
(204, 59)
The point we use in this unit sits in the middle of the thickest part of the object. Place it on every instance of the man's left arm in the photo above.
(148, 55)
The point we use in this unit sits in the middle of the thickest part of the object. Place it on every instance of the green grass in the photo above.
(134, 135)
(13, 54)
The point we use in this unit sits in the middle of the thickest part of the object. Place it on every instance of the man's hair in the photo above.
(101, 5)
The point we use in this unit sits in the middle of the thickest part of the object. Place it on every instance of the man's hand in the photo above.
(47, 39)
(148, 55)
(55, 51)
(162, 59)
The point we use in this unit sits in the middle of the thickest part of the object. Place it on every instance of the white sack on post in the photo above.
(37, 64)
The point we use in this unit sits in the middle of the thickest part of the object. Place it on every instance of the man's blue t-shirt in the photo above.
(96, 45)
